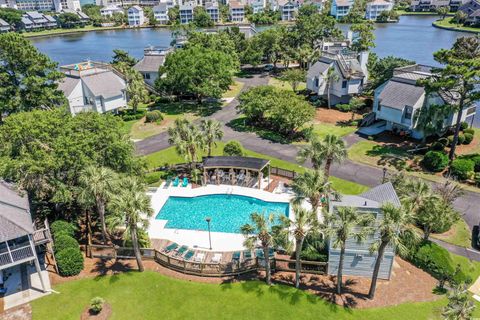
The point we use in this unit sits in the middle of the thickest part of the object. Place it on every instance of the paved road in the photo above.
(468, 204)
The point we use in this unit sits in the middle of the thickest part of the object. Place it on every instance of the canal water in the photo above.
(412, 38)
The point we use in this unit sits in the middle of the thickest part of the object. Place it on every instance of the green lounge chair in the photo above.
(185, 182)
(189, 255)
(176, 182)
(236, 255)
(247, 254)
(171, 247)
(181, 251)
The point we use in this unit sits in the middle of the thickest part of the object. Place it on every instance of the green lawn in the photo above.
(285, 85)
(234, 90)
(448, 23)
(169, 156)
(322, 129)
(459, 235)
(372, 153)
(62, 31)
(151, 295)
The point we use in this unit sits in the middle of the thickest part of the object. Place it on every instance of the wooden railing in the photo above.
(206, 269)
(283, 172)
(41, 236)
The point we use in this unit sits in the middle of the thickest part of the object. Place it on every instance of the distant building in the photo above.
(93, 86)
(153, 59)
(399, 100)
(33, 20)
(186, 13)
(160, 12)
(472, 10)
(350, 68)
(61, 5)
(433, 5)
(376, 7)
(35, 5)
(110, 10)
(257, 5)
(136, 17)
(4, 26)
(340, 8)
(288, 9)
(237, 11)
(358, 259)
(213, 11)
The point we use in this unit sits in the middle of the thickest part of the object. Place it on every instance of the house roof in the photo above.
(160, 7)
(15, 220)
(236, 5)
(105, 84)
(26, 21)
(34, 14)
(397, 94)
(137, 8)
(49, 18)
(150, 63)
(384, 193)
(318, 67)
(4, 23)
(68, 84)
(83, 15)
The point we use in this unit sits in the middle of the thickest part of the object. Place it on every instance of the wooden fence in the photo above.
(230, 268)
(283, 172)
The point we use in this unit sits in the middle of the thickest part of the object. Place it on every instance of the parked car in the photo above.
(268, 67)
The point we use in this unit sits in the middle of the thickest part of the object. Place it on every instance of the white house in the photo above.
(4, 26)
(376, 7)
(186, 13)
(136, 17)
(160, 12)
(257, 5)
(153, 59)
(340, 8)
(398, 101)
(237, 11)
(349, 67)
(32, 20)
(93, 86)
(110, 10)
(432, 5)
(288, 9)
(213, 11)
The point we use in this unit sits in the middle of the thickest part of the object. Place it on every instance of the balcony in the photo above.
(16, 256)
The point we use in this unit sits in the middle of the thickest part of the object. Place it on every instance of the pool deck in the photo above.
(198, 239)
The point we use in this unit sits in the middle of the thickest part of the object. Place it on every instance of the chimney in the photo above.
(363, 59)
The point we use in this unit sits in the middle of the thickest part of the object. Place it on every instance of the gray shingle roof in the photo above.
(384, 193)
(15, 220)
(105, 84)
(4, 23)
(150, 63)
(68, 84)
(318, 67)
(397, 94)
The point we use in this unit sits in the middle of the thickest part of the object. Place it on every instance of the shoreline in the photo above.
(436, 24)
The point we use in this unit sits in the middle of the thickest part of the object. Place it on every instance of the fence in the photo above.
(283, 172)
(222, 269)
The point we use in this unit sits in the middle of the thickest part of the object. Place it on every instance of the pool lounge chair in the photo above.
(167, 183)
(185, 182)
(181, 250)
(176, 182)
(170, 247)
(217, 257)
(189, 255)
(199, 257)
(236, 255)
(247, 254)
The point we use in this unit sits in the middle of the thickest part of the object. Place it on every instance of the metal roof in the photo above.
(256, 164)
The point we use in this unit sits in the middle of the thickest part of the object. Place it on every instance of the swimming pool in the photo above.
(227, 212)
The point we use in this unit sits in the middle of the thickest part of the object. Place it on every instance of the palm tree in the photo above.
(332, 149)
(443, 11)
(343, 225)
(305, 223)
(98, 184)
(416, 192)
(396, 223)
(459, 306)
(260, 231)
(188, 140)
(212, 131)
(312, 152)
(312, 185)
(132, 209)
(330, 77)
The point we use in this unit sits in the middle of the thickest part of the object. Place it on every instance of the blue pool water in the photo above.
(227, 212)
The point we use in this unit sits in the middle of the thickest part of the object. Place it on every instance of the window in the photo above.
(344, 84)
(408, 112)
(379, 107)
(317, 81)
(146, 76)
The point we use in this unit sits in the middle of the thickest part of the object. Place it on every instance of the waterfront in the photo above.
(412, 38)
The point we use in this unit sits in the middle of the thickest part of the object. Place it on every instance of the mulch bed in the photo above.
(102, 315)
(333, 116)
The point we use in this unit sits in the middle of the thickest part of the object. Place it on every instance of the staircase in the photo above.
(368, 119)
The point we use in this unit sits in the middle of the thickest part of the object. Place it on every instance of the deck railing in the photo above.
(15, 255)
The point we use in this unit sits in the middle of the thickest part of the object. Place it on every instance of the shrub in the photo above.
(464, 125)
(69, 261)
(450, 140)
(475, 157)
(468, 138)
(61, 226)
(153, 177)
(153, 116)
(443, 141)
(96, 304)
(343, 107)
(64, 241)
(233, 148)
(435, 161)
(462, 168)
(128, 115)
(437, 146)
(461, 139)
(477, 179)
(354, 123)
(469, 130)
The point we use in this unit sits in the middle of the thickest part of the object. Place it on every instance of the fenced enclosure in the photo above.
(206, 269)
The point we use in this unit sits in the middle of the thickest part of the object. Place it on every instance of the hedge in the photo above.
(464, 125)
(462, 168)
(62, 227)
(468, 138)
(70, 262)
(435, 161)
(153, 177)
(461, 139)
(153, 116)
(233, 148)
(64, 241)
(437, 146)
(469, 130)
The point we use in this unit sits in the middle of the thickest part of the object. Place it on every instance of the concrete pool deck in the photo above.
(198, 239)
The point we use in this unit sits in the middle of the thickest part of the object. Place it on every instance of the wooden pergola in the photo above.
(243, 165)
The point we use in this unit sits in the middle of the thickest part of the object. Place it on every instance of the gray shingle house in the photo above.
(21, 245)
(358, 259)
(153, 59)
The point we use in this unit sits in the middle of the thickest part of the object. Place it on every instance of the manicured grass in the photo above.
(449, 23)
(280, 84)
(459, 235)
(170, 156)
(471, 268)
(141, 130)
(416, 13)
(322, 129)
(372, 153)
(150, 295)
(234, 90)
